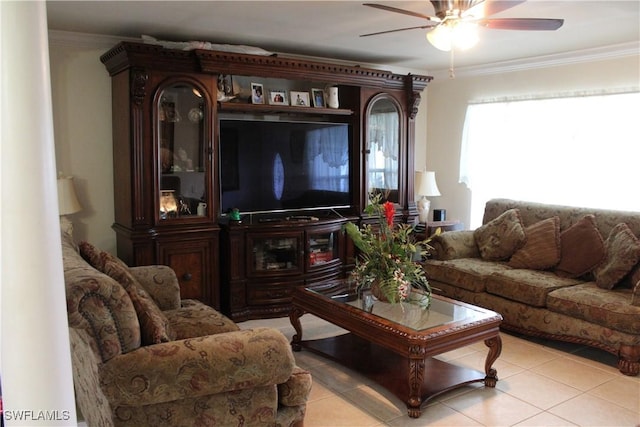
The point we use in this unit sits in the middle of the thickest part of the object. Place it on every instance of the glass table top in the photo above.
(411, 314)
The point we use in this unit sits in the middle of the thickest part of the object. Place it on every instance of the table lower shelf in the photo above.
(392, 370)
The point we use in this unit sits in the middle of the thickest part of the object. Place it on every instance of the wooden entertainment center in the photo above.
(171, 175)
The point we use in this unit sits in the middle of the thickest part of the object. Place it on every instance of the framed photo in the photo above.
(257, 93)
(299, 99)
(317, 95)
(278, 97)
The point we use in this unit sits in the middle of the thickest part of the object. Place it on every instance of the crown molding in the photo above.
(622, 50)
(602, 53)
(85, 40)
(100, 41)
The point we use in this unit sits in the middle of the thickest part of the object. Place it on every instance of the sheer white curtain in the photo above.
(579, 151)
(327, 158)
(384, 149)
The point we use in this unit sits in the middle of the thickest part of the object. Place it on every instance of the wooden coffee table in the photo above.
(394, 343)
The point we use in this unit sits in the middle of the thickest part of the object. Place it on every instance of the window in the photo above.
(578, 151)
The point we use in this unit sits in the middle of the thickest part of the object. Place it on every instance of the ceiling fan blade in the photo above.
(399, 29)
(528, 24)
(402, 11)
(487, 8)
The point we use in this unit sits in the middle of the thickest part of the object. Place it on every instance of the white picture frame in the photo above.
(278, 97)
(257, 93)
(317, 96)
(299, 99)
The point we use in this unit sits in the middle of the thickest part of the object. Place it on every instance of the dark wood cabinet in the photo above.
(263, 263)
(169, 180)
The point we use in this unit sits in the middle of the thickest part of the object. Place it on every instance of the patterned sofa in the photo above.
(558, 272)
(143, 357)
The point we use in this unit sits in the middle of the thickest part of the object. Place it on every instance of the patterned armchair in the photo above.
(143, 357)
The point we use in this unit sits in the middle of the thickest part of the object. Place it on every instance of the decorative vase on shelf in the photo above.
(332, 97)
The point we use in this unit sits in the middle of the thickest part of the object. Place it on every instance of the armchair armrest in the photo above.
(454, 244)
(161, 283)
(198, 367)
(295, 391)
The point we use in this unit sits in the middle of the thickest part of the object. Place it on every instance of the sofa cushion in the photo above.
(195, 319)
(466, 273)
(530, 287)
(498, 239)
(622, 252)
(541, 251)
(581, 248)
(608, 308)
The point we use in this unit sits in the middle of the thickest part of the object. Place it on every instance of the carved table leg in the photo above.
(495, 348)
(294, 317)
(416, 378)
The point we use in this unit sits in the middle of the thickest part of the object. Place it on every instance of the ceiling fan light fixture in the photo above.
(454, 34)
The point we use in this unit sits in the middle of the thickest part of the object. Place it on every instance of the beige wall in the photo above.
(448, 98)
(82, 129)
(82, 123)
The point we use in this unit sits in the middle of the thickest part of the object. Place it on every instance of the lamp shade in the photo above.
(67, 199)
(427, 185)
(454, 34)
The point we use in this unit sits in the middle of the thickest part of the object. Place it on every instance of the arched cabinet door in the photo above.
(182, 113)
(383, 148)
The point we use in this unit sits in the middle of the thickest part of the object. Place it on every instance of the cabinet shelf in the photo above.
(236, 107)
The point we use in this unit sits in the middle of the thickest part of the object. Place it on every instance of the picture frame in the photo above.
(278, 97)
(317, 95)
(257, 93)
(299, 99)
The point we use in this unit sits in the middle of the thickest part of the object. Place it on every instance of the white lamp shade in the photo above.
(67, 199)
(427, 185)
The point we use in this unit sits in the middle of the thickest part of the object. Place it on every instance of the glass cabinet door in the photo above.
(323, 248)
(182, 113)
(275, 255)
(383, 148)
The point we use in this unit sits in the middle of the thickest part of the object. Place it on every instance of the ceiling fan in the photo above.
(455, 22)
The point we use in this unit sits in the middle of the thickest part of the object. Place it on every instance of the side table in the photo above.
(431, 228)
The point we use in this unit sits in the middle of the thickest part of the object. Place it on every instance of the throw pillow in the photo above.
(581, 248)
(542, 248)
(498, 239)
(622, 253)
(96, 257)
(154, 325)
(91, 254)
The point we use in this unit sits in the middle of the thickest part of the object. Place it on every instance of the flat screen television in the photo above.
(281, 166)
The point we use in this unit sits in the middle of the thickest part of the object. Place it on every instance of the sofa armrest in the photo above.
(454, 244)
(161, 283)
(198, 367)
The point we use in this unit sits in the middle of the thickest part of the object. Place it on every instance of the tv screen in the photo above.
(271, 166)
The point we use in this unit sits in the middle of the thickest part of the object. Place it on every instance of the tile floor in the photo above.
(541, 383)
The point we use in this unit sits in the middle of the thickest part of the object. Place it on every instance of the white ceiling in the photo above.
(332, 28)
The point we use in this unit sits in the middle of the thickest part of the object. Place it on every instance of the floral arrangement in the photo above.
(387, 252)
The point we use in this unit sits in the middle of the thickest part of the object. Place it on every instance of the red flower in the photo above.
(389, 212)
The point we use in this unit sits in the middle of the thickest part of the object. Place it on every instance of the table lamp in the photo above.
(67, 202)
(427, 187)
